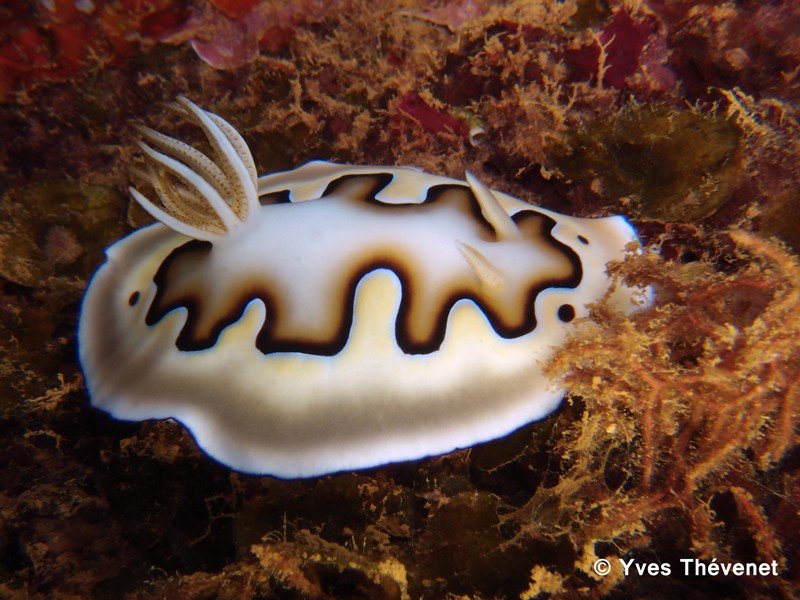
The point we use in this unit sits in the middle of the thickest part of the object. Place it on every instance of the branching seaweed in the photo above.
(696, 401)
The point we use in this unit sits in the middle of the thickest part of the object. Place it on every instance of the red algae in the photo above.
(630, 52)
(430, 119)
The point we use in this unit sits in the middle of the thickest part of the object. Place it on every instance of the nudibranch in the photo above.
(334, 317)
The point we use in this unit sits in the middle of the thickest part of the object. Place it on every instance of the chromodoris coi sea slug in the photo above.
(334, 317)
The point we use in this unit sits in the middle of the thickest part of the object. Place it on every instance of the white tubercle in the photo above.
(503, 224)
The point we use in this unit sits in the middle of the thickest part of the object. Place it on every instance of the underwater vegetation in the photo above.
(706, 407)
(676, 164)
(679, 438)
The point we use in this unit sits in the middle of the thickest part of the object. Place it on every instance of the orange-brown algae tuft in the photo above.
(691, 412)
